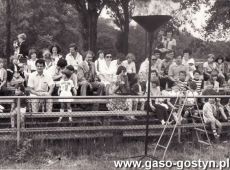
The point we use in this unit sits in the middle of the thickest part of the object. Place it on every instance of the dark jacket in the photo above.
(11, 70)
(24, 51)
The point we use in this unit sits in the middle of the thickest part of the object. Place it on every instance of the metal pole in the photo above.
(18, 123)
(148, 99)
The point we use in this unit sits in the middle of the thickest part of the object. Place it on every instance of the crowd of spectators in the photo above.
(104, 74)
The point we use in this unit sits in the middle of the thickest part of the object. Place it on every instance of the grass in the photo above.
(97, 154)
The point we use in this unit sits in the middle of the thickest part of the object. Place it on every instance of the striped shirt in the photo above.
(199, 84)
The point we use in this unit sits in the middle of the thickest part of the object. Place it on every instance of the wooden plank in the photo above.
(6, 101)
(4, 115)
(88, 101)
(86, 114)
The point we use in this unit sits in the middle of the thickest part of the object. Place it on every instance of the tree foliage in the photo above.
(88, 11)
(121, 11)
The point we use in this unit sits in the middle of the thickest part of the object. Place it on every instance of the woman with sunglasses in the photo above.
(108, 73)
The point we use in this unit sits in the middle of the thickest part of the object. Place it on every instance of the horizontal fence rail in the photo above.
(88, 124)
(108, 97)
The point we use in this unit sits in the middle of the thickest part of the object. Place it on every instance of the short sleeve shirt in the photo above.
(74, 61)
(66, 86)
(40, 83)
(175, 69)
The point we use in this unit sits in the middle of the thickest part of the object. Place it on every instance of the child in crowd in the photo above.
(19, 91)
(209, 115)
(3, 79)
(66, 89)
(32, 60)
(198, 80)
(214, 79)
(17, 79)
(182, 83)
(73, 77)
(208, 89)
(156, 105)
(190, 105)
(12, 68)
(137, 90)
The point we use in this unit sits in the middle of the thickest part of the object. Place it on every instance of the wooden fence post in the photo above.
(18, 122)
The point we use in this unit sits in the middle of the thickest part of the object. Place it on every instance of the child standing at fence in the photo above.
(209, 115)
(66, 90)
(19, 91)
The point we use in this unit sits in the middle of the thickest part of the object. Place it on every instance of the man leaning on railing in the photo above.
(40, 84)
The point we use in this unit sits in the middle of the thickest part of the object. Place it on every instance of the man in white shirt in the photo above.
(74, 58)
(40, 84)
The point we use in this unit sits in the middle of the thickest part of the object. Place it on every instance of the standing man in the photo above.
(74, 58)
(40, 84)
(23, 48)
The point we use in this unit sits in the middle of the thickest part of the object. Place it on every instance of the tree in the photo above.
(89, 11)
(220, 16)
(52, 22)
(121, 12)
(8, 29)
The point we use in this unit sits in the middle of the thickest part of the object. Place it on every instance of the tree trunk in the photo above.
(126, 27)
(93, 18)
(8, 30)
(84, 31)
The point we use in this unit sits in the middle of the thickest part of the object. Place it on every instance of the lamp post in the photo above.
(150, 23)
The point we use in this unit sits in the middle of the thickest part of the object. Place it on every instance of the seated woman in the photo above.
(209, 66)
(218, 81)
(121, 87)
(155, 106)
(32, 60)
(107, 74)
(55, 51)
(222, 67)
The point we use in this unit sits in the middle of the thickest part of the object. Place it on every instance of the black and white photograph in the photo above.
(115, 84)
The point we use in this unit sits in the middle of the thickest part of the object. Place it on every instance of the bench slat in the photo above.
(86, 114)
